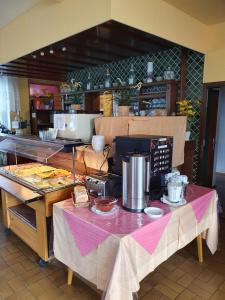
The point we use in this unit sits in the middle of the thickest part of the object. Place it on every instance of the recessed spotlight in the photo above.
(51, 51)
(34, 56)
(63, 48)
(42, 53)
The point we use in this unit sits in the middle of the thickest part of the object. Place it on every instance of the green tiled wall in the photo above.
(161, 60)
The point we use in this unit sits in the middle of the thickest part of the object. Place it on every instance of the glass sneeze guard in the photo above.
(36, 150)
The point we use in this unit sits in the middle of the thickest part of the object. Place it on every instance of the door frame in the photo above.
(203, 116)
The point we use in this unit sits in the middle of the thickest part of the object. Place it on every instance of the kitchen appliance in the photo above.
(159, 148)
(104, 184)
(134, 181)
(74, 126)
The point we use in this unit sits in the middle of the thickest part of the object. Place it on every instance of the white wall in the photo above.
(220, 137)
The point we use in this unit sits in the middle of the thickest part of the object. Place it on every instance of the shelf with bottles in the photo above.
(147, 90)
(157, 96)
(118, 87)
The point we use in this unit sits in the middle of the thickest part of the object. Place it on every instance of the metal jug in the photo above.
(135, 171)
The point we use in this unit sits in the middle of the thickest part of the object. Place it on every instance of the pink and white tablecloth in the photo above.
(116, 252)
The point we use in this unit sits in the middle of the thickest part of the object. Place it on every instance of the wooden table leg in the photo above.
(199, 245)
(69, 276)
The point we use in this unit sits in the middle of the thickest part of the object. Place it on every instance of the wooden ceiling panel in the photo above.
(105, 43)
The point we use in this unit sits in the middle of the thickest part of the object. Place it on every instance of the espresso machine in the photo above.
(142, 161)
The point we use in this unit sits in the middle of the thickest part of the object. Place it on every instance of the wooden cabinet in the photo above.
(30, 219)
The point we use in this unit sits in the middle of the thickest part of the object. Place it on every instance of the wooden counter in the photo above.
(16, 197)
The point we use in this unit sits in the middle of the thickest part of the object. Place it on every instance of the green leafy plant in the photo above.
(124, 98)
(76, 99)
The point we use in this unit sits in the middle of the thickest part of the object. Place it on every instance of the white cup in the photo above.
(98, 142)
(175, 190)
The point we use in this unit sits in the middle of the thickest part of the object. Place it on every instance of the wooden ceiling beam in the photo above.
(30, 69)
(115, 48)
(28, 73)
(52, 64)
(24, 63)
(34, 76)
(108, 54)
(139, 35)
(76, 58)
(109, 37)
(74, 49)
(62, 58)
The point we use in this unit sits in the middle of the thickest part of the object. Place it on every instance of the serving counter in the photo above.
(29, 190)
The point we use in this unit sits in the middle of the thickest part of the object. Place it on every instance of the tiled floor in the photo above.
(180, 277)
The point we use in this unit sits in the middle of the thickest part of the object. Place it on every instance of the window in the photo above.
(9, 98)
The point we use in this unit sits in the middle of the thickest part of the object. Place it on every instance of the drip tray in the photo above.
(25, 214)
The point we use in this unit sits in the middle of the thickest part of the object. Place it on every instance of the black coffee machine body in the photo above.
(159, 148)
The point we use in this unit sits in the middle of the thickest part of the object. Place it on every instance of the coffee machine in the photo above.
(158, 150)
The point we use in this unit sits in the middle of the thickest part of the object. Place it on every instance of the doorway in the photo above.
(209, 141)
(213, 140)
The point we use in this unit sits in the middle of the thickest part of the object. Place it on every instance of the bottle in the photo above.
(89, 83)
(150, 71)
(115, 104)
(169, 74)
(131, 78)
(107, 79)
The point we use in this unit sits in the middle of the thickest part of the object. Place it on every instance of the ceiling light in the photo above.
(51, 51)
(63, 48)
(42, 53)
(34, 56)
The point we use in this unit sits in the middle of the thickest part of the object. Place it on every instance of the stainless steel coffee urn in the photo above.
(135, 171)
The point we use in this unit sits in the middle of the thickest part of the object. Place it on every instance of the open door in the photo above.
(210, 137)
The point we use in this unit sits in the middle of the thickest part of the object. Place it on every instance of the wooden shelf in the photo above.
(92, 97)
(24, 213)
(153, 96)
(118, 88)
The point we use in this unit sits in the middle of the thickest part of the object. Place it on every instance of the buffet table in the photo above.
(116, 252)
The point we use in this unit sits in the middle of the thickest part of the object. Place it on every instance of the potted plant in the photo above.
(76, 102)
(187, 108)
(124, 103)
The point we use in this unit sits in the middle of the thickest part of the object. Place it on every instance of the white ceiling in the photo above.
(209, 12)
(10, 9)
